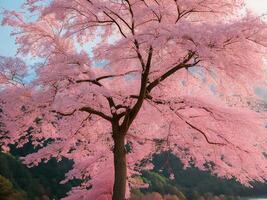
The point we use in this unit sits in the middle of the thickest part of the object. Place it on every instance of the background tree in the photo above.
(152, 83)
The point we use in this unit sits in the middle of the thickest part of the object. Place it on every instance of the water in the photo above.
(255, 199)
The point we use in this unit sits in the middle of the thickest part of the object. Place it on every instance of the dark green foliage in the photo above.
(20, 176)
(51, 173)
(193, 182)
(39, 181)
(8, 192)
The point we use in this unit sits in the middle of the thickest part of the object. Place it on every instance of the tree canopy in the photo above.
(166, 75)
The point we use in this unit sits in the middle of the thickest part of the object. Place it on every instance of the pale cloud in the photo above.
(257, 6)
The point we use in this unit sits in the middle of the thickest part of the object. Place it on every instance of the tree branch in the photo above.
(190, 124)
(118, 25)
(84, 109)
(172, 71)
(142, 94)
(96, 81)
(98, 113)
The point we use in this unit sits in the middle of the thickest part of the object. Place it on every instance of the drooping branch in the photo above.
(190, 124)
(155, 102)
(203, 133)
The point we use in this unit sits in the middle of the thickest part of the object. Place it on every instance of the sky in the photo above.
(259, 6)
(7, 44)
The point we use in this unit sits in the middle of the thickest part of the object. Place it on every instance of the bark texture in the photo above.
(119, 186)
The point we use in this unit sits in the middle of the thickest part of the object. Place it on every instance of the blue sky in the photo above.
(7, 44)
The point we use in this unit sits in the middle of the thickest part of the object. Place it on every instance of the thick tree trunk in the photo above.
(119, 186)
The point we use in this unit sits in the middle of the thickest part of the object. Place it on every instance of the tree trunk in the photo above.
(120, 168)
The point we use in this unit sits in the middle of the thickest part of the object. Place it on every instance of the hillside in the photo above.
(42, 182)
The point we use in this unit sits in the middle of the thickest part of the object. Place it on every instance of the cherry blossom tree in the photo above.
(12, 71)
(121, 80)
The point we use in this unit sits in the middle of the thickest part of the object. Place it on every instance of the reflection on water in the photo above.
(256, 199)
(253, 198)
